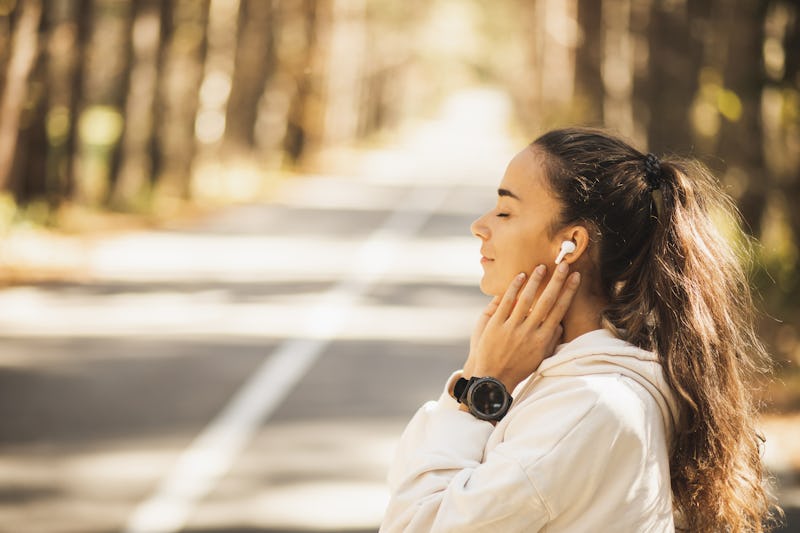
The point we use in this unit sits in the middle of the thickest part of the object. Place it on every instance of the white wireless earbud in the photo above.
(567, 247)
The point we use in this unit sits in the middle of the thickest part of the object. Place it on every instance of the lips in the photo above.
(485, 258)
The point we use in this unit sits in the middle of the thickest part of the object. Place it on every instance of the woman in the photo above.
(627, 379)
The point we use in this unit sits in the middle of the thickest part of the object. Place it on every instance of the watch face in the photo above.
(489, 398)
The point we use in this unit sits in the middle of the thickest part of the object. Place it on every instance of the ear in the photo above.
(578, 235)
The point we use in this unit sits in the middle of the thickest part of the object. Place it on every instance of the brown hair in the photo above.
(676, 286)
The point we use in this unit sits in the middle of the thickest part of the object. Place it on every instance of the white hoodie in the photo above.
(584, 447)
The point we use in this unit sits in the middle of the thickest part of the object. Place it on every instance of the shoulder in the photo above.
(599, 413)
(581, 436)
(612, 397)
(617, 399)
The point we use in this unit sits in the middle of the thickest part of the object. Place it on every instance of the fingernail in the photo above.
(575, 278)
(540, 270)
(520, 276)
(563, 267)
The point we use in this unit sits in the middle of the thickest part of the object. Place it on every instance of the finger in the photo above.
(528, 293)
(558, 311)
(491, 307)
(555, 339)
(548, 298)
(487, 313)
(507, 303)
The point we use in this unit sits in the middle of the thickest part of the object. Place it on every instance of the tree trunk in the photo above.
(588, 58)
(103, 94)
(255, 62)
(63, 50)
(345, 71)
(29, 177)
(675, 58)
(791, 89)
(740, 144)
(16, 91)
(303, 124)
(132, 186)
(6, 33)
(181, 69)
(618, 66)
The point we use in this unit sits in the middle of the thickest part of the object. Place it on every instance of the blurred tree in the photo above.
(16, 97)
(218, 75)
(255, 63)
(298, 55)
(180, 66)
(789, 83)
(64, 49)
(6, 19)
(390, 54)
(618, 67)
(29, 179)
(344, 70)
(133, 184)
(675, 56)
(104, 83)
(780, 115)
(739, 103)
(589, 53)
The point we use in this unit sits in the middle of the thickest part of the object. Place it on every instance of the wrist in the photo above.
(509, 381)
(486, 397)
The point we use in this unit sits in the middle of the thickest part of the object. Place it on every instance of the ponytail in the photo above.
(698, 316)
(675, 285)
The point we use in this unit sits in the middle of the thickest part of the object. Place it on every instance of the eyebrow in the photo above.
(506, 192)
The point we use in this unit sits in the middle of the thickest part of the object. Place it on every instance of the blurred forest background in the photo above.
(144, 107)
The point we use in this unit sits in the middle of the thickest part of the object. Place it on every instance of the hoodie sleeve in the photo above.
(439, 480)
(554, 458)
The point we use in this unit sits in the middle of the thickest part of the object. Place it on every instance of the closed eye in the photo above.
(502, 215)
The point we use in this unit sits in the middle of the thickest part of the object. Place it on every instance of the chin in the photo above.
(490, 289)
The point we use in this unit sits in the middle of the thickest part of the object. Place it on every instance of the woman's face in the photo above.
(514, 233)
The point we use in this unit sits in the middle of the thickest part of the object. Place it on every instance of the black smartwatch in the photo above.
(486, 398)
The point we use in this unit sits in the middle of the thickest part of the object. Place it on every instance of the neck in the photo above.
(583, 316)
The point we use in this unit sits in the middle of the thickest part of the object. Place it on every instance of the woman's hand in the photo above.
(515, 334)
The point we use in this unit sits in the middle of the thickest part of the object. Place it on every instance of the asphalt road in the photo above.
(253, 371)
(104, 384)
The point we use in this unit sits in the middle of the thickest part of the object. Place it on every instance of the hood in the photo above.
(600, 352)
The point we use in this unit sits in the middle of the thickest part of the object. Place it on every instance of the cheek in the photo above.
(517, 251)
(531, 249)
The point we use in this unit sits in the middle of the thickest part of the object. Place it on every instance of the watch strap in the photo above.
(460, 389)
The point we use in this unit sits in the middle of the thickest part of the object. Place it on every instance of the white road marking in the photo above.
(199, 468)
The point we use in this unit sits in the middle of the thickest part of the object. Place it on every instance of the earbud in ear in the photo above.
(567, 247)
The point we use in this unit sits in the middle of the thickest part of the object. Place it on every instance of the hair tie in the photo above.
(652, 172)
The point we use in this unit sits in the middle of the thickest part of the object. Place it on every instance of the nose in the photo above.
(479, 228)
